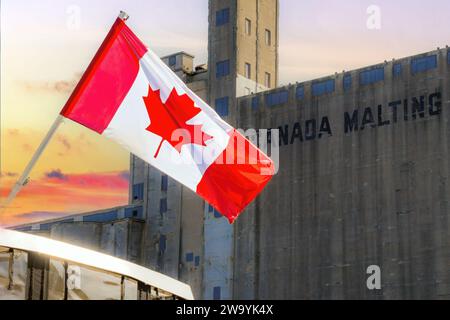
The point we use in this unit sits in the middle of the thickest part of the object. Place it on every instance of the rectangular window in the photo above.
(255, 103)
(248, 71)
(222, 17)
(323, 87)
(216, 293)
(164, 183)
(267, 80)
(217, 214)
(210, 208)
(172, 61)
(138, 191)
(223, 68)
(197, 261)
(300, 92)
(222, 106)
(347, 82)
(397, 69)
(448, 57)
(423, 64)
(273, 99)
(248, 27)
(189, 257)
(268, 38)
(162, 244)
(371, 76)
(163, 206)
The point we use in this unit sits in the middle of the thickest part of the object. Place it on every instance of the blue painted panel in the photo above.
(136, 212)
(216, 293)
(164, 183)
(162, 244)
(163, 206)
(347, 82)
(223, 68)
(371, 76)
(397, 69)
(222, 17)
(197, 261)
(189, 257)
(255, 103)
(423, 64)
(138, 191)
(101, 217)
(172, 61)
(300, 92)
(222, 106)
(323, 87)
(276, 98)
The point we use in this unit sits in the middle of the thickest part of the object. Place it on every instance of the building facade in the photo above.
(363, 178)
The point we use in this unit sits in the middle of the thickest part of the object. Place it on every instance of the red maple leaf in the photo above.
(170, 116)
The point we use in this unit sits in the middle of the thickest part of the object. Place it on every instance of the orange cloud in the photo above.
(58, 194)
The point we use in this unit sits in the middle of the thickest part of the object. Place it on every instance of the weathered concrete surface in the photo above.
(378, 196)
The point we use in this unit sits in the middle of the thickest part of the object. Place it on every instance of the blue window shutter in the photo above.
(222, 68)
(397, 69)
(163, 206)
(222, 17)
(371, 76)
(164, 182)
(172, 61)
(162, 244)
(189, 257)
(423, 64)
(217, 214)
(323, 87)
(197, 261)
(300, 92)
(210, 208)
(275, 98)
(222, 106)
(138, 191)
(347, 82)
(216, 293)
(255, 103)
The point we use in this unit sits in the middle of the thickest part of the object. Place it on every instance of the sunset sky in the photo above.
(46, 46)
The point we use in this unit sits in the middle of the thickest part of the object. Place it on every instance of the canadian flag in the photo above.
(129, 95)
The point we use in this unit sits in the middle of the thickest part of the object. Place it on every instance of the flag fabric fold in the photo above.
(129, 95)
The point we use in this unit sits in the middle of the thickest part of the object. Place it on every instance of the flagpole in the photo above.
(24, 178)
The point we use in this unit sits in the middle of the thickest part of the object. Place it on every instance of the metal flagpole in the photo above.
(24, 178)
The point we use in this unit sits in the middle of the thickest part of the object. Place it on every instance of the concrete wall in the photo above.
(343, 202)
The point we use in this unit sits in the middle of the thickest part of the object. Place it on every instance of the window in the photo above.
(172, 61)
(222, 106)
(347, 82)
(248, 70)
(163, 206)
(268, 38)
(448, 57)
(217, 214)
(164, 182)
(255, 103)
(189, 257)
(210, 208)
(222, 17)
(423, 64)
(371, 76)
(223, 68)
(397, 69)
(197, 261)
(276, 98)
(248, 27)
(323, 87)
(162, 244)
(267, 80)
(138, 191)
(216, 293)
(300, 92)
